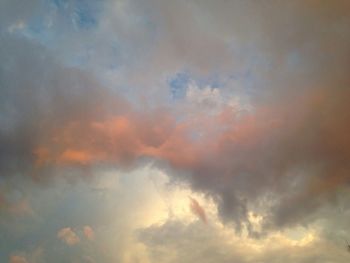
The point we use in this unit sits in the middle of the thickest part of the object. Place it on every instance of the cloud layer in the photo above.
(243, 102)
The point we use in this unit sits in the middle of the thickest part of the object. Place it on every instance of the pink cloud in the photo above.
(198, 210)
(89, 233)
(222, 152)
(68, 236)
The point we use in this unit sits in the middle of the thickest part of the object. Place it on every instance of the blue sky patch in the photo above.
(84, 14)
(178, 85)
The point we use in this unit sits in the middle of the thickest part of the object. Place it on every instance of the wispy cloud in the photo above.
(198, 210)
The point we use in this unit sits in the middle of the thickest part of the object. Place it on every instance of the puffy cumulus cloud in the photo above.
(68, 236)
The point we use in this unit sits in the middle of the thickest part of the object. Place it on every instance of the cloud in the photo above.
(198, 210)
(15, 204)
(235, 164)
(34, 107)
(34, 256)
(89, 233)
(22, 207)
(195, 242)
(285, 158)
(68, 236)
(17, 259)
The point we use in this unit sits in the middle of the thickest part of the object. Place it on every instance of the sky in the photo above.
(174, 131)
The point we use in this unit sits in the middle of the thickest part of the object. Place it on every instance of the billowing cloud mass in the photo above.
(241, 105)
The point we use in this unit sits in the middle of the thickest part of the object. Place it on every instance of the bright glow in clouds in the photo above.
(174, 131)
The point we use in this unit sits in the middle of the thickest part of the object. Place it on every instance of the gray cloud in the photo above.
(38, 96)
(287, 159)
(174, 241)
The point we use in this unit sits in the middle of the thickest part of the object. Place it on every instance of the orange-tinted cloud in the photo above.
(75, 156)
(119, 140)
(17, 259)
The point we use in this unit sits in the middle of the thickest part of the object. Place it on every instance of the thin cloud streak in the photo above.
(198, 210)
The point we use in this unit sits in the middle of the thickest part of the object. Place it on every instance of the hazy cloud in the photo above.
(262, 126)
(68, 236)
(89, 233)
(18, 259)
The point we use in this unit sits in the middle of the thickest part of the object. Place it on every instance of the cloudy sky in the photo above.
(167, 131)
